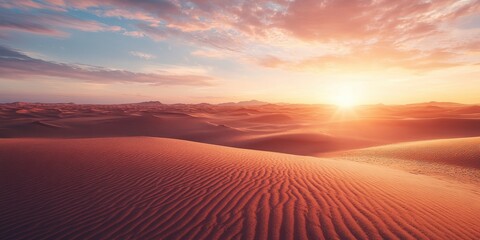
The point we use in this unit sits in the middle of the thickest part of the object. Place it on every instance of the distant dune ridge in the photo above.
(297, 129)
(152, 188)
(125, 171)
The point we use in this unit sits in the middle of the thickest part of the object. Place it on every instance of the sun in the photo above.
(345, 97)
(345, 101)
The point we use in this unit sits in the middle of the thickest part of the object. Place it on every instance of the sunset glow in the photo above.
(219, 51)
(345, 96)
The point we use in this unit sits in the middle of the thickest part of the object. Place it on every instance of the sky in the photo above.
(303, 51)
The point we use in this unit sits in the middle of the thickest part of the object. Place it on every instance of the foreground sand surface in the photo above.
(154, 188)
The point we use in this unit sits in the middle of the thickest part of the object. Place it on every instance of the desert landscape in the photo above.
(248, 170)
(239, 119)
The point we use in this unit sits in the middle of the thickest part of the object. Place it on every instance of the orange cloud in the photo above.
(372, 58)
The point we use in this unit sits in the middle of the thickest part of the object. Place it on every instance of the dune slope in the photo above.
(463, 152)
(152, 188)
(457, 158)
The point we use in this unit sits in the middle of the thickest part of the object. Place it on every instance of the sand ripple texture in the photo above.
(153, 188)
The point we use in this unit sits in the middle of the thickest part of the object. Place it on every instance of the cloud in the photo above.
(210, 53)
(16, 65)
(272, 61)
(251, 26)
(142, 55)
(217, 39)
(129, 14)
(310, 20)
(25, 4)
(52, 24)
(123, 8)
(135, 34)
(373, 58)
(347, 20)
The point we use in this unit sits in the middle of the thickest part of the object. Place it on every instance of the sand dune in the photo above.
(179, 126)
(151, 188)
(297, 129)
(457, 159)
(463, 152)
(402, 130)
(299, 143)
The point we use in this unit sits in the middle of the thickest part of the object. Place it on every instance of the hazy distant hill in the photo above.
(244, 103)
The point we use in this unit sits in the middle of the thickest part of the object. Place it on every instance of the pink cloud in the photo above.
(347, 20)
(271, 61)
(243, 25)
(21, 4)
(16, 65)
(50, 24)
(157, 8)
(310, 20)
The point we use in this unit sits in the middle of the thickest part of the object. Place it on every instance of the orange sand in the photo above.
(72, 171)
(153, 188)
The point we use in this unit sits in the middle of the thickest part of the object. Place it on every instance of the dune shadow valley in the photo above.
(239, 171)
